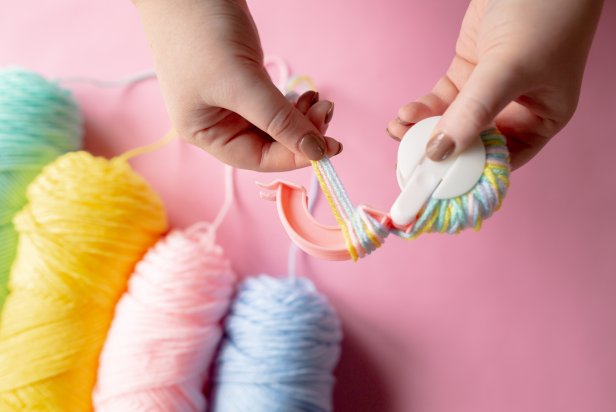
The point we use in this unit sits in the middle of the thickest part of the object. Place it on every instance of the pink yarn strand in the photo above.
(228, 202)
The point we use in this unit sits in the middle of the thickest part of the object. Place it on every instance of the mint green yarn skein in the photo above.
(39, 121)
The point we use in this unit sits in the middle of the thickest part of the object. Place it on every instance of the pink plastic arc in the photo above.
(314, 238)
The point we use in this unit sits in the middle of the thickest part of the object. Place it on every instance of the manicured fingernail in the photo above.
(312, 146)
(329, 115)
(391, 135)
(403, 122)
(440, 147)
(315, 98)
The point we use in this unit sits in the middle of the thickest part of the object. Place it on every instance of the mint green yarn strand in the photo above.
(39, 121)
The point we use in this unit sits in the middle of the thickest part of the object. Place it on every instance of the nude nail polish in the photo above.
(315, 98)
(440, 147)
(329, 115)
(312, 146)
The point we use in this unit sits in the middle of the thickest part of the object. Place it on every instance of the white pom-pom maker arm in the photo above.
(445, 196)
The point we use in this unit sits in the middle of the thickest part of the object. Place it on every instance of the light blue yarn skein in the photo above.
(39, 121)
(282, 342)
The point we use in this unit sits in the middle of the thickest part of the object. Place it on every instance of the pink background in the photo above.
(517, 317)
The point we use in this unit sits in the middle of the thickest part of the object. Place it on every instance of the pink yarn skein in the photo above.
(166, 329)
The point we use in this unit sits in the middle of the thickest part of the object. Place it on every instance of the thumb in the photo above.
(263, 105)
(491, 86)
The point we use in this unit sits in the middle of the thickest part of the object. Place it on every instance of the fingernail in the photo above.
(329, 114)
(339, 149)
(403, 122)
(312, 146)
(440, 147)
(315, 98)
(391, 135)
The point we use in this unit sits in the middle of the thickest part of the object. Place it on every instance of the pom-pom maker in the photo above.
(419, 179)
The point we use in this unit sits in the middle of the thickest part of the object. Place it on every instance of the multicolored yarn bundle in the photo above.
(39, 121)
(87, 223)
(363, 233)
(281, 345)
(167, 327)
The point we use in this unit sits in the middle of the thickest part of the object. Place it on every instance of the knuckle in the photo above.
(475, 111)
(202, 138)
(281, 122)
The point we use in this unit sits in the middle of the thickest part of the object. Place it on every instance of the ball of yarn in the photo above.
(39, 121)
(282, 342)
(88, 222)
(167, 327)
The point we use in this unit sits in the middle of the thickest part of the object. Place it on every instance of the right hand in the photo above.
(209, 63)
(517, 63)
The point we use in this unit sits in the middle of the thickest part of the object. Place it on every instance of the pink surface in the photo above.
(517, 317)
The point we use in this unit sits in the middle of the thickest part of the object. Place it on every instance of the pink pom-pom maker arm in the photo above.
(423, 183)
(313, 237)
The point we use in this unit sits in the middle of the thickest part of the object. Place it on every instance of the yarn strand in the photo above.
(166, 139)
(128, 81)
(228, 202)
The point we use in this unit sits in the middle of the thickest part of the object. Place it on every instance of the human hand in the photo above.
(518, 63)
(209, 63)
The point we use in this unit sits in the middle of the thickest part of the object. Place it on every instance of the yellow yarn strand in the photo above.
(166, 139)
(332, 205)
(88, 222)
(295, 82)
(371, 235)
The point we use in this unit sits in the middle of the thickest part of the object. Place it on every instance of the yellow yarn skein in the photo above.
(87, 223)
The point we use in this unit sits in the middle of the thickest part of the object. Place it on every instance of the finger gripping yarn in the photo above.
(166, 328)
(282, 342)
(39, 121)
(88, 221)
